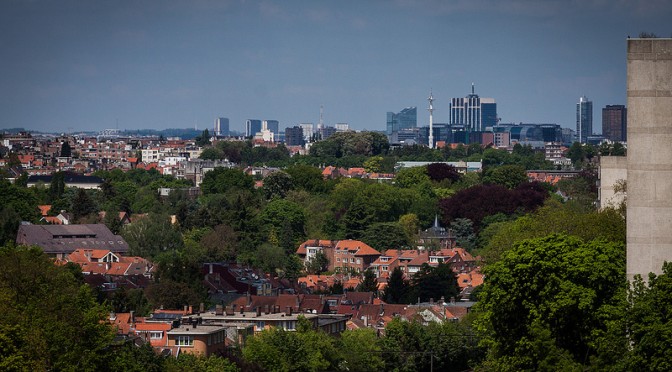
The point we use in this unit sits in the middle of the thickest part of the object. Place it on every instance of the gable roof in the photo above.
(55, 239)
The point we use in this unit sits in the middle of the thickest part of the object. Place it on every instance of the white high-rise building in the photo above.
(308, 130)
(221, 127)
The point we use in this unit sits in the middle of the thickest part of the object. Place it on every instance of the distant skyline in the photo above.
(87, 65)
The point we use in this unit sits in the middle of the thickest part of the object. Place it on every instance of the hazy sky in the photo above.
(89, 64)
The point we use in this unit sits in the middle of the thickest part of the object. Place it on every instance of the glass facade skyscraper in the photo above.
(474, 112)
(584, 119)
(405, 119)
(252, 127)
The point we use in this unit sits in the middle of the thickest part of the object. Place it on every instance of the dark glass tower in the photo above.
(584, 119)
(615, 123)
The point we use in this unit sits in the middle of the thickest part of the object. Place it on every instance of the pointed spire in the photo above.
(436, 220)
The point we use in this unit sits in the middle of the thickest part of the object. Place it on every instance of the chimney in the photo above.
(267, 309)
(242, 309)
(452, 300)
(132, 317)
(249, 299)
(219, 310)
(191, 310)
(431, 300)
(258, 310)
(185, 310)
(201, 308)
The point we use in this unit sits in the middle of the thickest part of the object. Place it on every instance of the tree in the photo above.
(277, 184)
(361, 350)
(509, 176)
(441, 171)
(397, 287)
(222, 180)
(203, 139)
(319, 263)
(434, 283)
(50, 320)
(220, 244)
(411, 177)
(191, 362)
(306, 177)
(66, 151)
(370, 283)
(82, 205)
(554, 291)
(649, 322)
(275, 349)
(284, 217)
(385, 235)
(152, 235)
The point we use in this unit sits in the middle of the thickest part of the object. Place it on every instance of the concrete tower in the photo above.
(431, 120)
(649, 205)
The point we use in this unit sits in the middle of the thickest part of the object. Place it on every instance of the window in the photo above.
(352, 260)
(338, 259)
(359, 261)
(260, 325)
(156, 335)
(184, 341)
(290, 325)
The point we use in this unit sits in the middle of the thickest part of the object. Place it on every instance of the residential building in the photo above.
(584, 119)
(343, 255)
(615, 123)
(474, 112)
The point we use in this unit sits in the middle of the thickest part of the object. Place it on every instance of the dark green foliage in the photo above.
(463, 229)
(287, 219)
(66, 151)
(555, 291)
(190, 362)
(203, 139)
(222, 180)
(369, 283)
(397, 288)
(385, 235)
(277, 184)
(9, 224)
(308, 178)
(172, 295)
(433, 283)
(319, 264)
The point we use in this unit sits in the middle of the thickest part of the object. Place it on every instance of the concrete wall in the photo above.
(649, 207)
(613, 169)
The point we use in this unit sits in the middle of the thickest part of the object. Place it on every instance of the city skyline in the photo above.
(74, 66)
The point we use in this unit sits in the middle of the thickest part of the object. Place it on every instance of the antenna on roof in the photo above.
(472, 88)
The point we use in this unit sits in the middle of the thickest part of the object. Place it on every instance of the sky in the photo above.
(88, 65)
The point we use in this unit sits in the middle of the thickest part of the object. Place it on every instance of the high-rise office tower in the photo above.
(294, 136)
(649, 206)
(584, 119)
(222, 126)
(252, 127)
(615, 123)
(272, 125)
(405, 119)
(474, 112)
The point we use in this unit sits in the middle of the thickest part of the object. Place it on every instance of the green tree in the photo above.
(191, 362)
(281, 212)
(649, 322)
(66, 151)
(277, 184)
(463, 229)
(50, 320)
(369, 283)
(9, 224)
(434, 283)
(385, 235)
(304, 350)
(203, 139)
(361, 349)
(82, 205)
(150, 236)
(509, 176)
(221, 180)
(557, 290)
(319, 263)
(397, 287)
